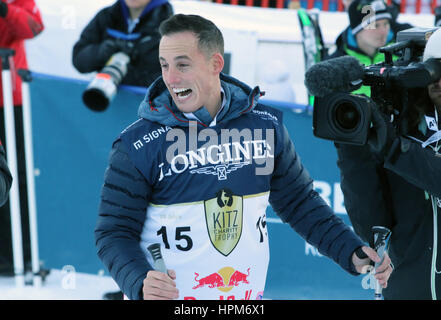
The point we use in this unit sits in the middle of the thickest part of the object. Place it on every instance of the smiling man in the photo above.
(210, 216)
(188, 77)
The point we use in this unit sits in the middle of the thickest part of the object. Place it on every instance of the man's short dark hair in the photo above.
(210, 39)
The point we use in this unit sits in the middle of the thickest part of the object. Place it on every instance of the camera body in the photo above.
(346, 118)
(102, 89)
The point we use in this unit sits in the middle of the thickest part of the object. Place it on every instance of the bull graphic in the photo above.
(213, 280)
(238, 277)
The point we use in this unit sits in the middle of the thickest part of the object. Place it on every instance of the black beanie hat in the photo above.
(364, 12)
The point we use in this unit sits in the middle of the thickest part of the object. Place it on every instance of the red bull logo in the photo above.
(213, 280)
(224, 280)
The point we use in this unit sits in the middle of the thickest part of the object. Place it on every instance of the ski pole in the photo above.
(27, 128)
(11, 154)
(381, 244)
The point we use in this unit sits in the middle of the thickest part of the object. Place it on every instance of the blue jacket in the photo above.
(138, 172)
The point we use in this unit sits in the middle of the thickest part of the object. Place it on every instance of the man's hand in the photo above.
(384, 270)
(160, 286)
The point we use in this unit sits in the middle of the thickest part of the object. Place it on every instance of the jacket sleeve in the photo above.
(419, 166)
(5, 177)
(122, 212)
(84, 52)
(23, 20)
(294, 200)
(362, 181)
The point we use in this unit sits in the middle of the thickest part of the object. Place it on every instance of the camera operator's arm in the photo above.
(362, 183)
(92, 51)
(23, 21)
(419, 166)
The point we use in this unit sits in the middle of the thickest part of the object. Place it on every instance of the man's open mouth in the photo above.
(182, 93)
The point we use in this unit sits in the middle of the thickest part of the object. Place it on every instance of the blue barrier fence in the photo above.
(71, 147)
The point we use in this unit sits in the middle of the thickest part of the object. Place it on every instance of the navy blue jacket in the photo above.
(136, 167)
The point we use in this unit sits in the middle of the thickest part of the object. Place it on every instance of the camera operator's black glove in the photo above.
(382, 133)
(144, 45)
(3, 9)
(106, 49)
(438, 16)
(111, 46)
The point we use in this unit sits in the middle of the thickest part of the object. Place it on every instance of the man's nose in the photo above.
(172, 76)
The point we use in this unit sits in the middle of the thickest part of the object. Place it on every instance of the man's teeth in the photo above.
(179, 90)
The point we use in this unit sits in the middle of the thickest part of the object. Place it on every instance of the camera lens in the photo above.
(347, 116)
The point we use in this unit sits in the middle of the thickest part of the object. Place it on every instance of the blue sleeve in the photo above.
(293, 198)
(122, 212)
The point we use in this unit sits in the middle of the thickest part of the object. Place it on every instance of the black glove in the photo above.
(106, 49)
(3, 9)
(125, 46)
(382, 133)
(438, 16)
(111, 46)
(144, 45)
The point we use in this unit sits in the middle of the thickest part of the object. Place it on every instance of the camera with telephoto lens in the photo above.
(346, 118)
(102, 89)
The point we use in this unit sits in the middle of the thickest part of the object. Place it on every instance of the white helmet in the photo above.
(433, 46)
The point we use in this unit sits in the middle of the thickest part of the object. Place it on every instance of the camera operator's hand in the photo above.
(438, 16)
(111, 46)
(144, 45)
(382, 133)
(106, 49)
(3, 9)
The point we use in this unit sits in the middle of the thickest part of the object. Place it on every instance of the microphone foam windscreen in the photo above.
(334, 75)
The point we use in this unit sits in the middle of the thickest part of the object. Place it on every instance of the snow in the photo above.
(60, 285)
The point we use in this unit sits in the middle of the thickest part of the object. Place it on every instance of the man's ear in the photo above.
(217, 62)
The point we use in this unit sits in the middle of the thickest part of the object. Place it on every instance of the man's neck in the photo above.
(214, 109)
(216, 100)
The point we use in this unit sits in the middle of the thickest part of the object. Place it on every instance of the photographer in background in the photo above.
(395, 181)
(129, 26)
(19, 20)
(372, 26)
(365, 35)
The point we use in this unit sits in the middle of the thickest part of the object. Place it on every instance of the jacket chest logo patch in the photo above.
(224, 217)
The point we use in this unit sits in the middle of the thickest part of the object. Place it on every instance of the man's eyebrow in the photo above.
(185, 57)
(182, 57)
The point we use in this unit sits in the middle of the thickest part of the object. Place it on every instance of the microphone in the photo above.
(158, 261)
(342, 74)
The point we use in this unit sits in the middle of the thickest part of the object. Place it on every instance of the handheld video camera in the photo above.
(346, 118)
